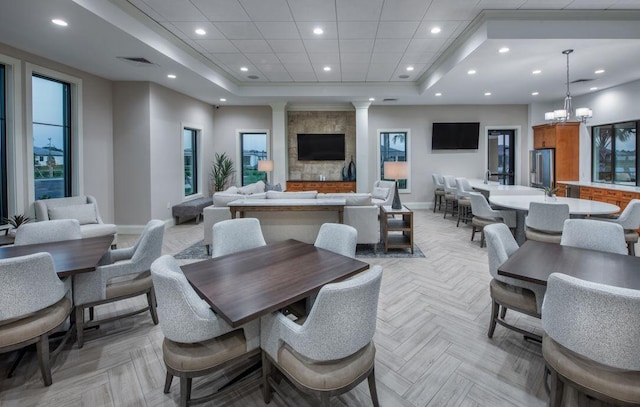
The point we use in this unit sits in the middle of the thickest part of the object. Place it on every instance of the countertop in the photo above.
(496, 189)
(616, 187)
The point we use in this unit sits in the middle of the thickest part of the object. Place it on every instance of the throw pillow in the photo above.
(246, 190)
(85, 213)
(272, 187)
(380, 193)
(223, 199)
(292, 195)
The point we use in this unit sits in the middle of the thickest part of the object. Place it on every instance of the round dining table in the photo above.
(577, 208)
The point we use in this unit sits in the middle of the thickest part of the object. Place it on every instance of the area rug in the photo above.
(198, 251)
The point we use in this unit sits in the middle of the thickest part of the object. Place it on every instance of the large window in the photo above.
(253, 149)
(614, 153)
(3, 146)
(190, 153)
(51, 112)
(394, 147)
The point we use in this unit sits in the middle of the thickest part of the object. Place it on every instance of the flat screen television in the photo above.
(455, 136)
(321, 147)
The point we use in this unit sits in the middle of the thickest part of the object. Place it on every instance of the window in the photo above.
(394, 147)
(4, 212)
(51, 117)
(614, 153)
(190, 154)
(253, 149)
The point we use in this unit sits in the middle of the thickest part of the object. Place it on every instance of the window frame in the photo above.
(239, 155)
(14, 136)
(197, 156)
(76, 125)
(613, 152)
(407, 143)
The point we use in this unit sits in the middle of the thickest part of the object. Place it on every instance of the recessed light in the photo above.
(599, 71)
(327, 68)
(487, 93)
(534, 93)
(409, 68)
(59, 22)
(435, 30)
(318, 31)
(244, 68)
(253, 77)
(593, 88)
(471, 71)
(223, 99)
(171, 76)
(372, 99)
(439, 94)
(200, 31)
(503, 50)
(403, 76)
(536, 72)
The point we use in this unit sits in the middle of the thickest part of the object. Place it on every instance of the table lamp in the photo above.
(266, 166)
(396, 170)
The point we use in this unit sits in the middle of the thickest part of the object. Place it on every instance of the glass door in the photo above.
(501, 158)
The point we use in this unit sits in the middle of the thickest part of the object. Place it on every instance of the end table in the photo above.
(396, 233)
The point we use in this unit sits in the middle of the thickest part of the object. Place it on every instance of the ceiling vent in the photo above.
(389, 100)
(581, 80)
(137, 61)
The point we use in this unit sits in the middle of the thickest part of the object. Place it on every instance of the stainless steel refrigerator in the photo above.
(542, 173)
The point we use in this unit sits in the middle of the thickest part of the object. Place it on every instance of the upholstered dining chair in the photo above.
(594, 235)
(592, 340)
(463, 189)
(196, 342)
(124, 273)
(507, 292)
(629, 219)
(545, 221)
(33, 305)
(338, 238)
(450, 195)
(438, 192)
(484, 214)
(331, 351)
(48, 231)
(234, 235)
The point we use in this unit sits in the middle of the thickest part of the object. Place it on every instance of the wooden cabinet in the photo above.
(562, 190)
(612, 196)
(321, 186)
(565, 138)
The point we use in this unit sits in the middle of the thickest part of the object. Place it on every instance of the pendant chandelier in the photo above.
(564, 114)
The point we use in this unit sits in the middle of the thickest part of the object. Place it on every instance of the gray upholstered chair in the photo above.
(84, 208)
(484, 215)
(48, 231)
(331, 351)
(438, 191)
(379, 187)
(594, 235)
(506, 292)
(196, 341)
(592, 340)
(33, 305)
(450, 195)
(234, 235)
(629, 219)
(463, 189)
(545, 221)
(124, 273)
(338, 238)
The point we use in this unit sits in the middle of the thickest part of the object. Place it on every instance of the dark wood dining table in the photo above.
(245, 285)
(535, 261)
(69, 256)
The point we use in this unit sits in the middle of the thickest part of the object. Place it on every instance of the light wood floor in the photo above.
(432, 347)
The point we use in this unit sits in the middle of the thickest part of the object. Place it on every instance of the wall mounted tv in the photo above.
(322, 147)
(455, 136)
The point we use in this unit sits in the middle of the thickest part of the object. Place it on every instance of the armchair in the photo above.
(380, 188)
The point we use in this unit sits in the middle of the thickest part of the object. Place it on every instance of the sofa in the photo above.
(84, 208)
(359, 212)
(383, 192)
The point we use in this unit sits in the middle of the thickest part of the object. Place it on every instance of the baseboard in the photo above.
(137, 229)
(418, 205)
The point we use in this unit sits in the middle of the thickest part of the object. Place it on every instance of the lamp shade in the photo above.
(584, 112)
(265, 165)
(396, 170)
(549, 116)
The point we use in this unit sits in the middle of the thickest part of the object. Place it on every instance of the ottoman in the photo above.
(190, 209)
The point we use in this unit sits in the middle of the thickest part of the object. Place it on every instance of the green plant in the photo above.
(16, 220)
(222, 170)
(549, 191)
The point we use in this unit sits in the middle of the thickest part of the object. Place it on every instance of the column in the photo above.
(363, 178)
(279, 150)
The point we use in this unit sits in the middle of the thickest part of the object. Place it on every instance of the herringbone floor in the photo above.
(432, 347)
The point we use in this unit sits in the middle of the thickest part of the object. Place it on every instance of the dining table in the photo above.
(535, 261)
(69, 256)
(577, 207)
(245, 285)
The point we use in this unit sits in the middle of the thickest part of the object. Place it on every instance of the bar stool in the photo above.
(463, 188)
(450, 196)
(438, 192)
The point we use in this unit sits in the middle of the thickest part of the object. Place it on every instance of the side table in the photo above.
(396, 233)
(5, 238)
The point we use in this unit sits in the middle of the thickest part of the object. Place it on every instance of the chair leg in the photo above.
(80, 325)
(42, 347)
(494, 316)
(459, 216)
(266, 372)
(503, 312)
(557, 390)
(185, 391)
(435, 203)
(324, 400)
(167, 382)
(208, 248)
(91, 314)
(151, 300)
(473, 232)
(16, 362)
(372, 388)
(632, 248)
(482, 238)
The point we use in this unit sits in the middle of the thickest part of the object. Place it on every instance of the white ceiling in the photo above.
(368, 44)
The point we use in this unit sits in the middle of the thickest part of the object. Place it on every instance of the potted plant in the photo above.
(550, 193)
(222, 170)
(15, 221)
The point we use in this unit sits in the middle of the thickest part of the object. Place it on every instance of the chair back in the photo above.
(343, 318)
(500, 246)
(234, 235)
(480, 207)
(148, 247)
(594, 235)
(183, 316)
(384, 184)
(629, 219)
(338, 238)
(450, 185)
(28, 284)
(48, 231)
(438, 181)
(547, 217)
(463, 188)
(596, 321)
